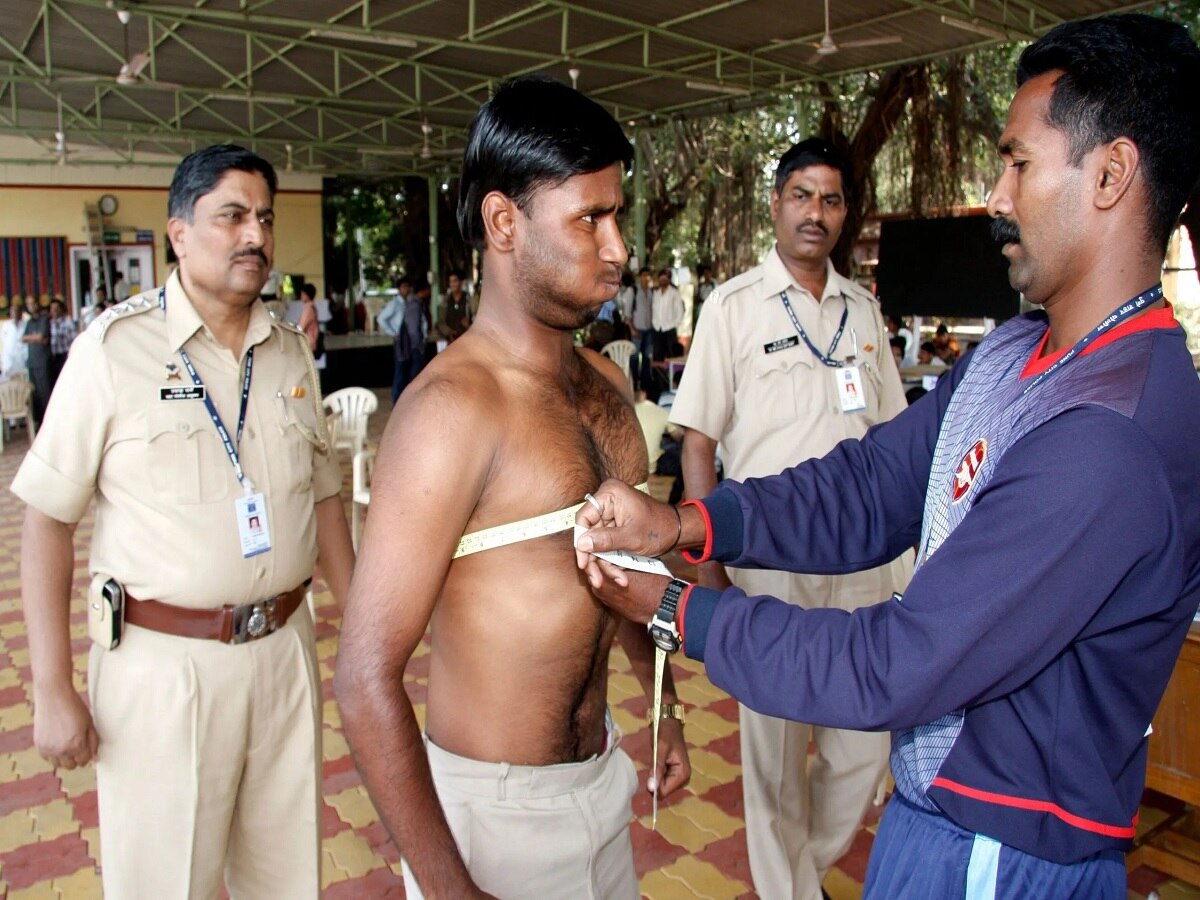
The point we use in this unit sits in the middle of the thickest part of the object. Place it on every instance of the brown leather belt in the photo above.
(228, 624)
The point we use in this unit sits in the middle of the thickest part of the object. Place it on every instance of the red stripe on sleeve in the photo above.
(706, 553)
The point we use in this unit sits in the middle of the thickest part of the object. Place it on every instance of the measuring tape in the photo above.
(660, 662)
(524, 530)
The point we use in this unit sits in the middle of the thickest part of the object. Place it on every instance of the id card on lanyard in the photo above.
(847, 377)
(250, 510)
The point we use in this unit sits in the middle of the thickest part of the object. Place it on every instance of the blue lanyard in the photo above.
(826, 358)
(1121, 314)
(230, 445)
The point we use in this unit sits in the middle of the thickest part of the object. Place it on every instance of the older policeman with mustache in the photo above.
(194, 420)
(788, 359)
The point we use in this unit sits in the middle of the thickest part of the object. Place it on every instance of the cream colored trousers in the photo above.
(801, 816)
(209, 765)
(544, 832)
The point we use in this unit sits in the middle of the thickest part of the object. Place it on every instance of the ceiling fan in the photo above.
(60, 149)
(425, 151)
(131, 72)
(827, 46)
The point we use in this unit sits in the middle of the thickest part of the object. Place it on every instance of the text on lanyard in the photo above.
(1122, 313)
(825, 358)
(231, 445)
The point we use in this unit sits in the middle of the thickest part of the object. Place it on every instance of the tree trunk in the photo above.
(887, 108)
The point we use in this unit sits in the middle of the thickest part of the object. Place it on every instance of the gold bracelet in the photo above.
(668, 711)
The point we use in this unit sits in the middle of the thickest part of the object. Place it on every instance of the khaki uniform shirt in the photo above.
(163, 483)
(772, 410)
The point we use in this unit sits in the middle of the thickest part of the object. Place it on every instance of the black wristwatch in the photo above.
(663, 630)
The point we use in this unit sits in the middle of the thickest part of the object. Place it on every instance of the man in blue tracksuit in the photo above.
(1052, 488)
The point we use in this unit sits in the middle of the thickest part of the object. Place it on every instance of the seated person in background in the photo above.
(664, 442)
(899, 346)
(927, 356)
(655, 423)
(946, 345)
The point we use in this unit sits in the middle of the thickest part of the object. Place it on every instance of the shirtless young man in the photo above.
(510, 422)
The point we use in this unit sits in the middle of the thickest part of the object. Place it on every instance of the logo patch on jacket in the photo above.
(968, 469)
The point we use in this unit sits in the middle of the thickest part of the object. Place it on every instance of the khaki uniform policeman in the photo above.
(208, 710)
(753, 384)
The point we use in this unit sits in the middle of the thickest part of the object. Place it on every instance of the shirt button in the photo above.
(181, 426)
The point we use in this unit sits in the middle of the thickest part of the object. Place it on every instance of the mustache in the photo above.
(252, 251)
(818, 225)
(1005, 231)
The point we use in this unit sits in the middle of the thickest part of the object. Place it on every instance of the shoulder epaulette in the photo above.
(859, 291)
(286, 325)
(737, 283)
(134, 306)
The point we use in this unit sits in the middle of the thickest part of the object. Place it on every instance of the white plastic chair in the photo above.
(374, 306)
(16, 402)
(361, 471)
(621, 352)
(354, 406)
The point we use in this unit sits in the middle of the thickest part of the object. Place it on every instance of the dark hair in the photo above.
(200, 172)
(929, 347)
(899, 343)
(403, 279)
(534, 132)
(457, 273)
(1127, 76)
(309, 289)
(666, 270)
(813, 152)
(644, 270)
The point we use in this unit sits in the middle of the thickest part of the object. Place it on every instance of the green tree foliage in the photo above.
(920, 138)
(393, 215)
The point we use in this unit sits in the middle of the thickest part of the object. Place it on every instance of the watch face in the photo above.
(663, 639)
(108, 204)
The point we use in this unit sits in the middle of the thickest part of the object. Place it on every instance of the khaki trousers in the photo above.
(543, 832)
(209, 765)
(802, 818)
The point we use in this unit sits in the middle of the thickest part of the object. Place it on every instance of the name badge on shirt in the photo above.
(191, 392)
(781, 344)
(848, 380)
(253, 530)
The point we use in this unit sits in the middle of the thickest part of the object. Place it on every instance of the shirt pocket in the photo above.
(780, 386)
(297, 424)
(872, 379)
(187, 459)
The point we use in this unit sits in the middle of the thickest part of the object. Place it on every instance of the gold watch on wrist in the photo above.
(668, 711)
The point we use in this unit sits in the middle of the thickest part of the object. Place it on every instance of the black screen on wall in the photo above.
(943, 267)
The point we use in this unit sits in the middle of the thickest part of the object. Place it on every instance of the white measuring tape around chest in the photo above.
(524, 530)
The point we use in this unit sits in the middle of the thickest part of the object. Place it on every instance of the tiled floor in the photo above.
(48, 819)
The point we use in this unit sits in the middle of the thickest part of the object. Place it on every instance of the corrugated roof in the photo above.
(345, 82)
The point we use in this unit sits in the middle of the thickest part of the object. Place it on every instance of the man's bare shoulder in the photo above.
(453, 387)
(609, 369)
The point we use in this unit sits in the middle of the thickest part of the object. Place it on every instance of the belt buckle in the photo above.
(252, 621)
